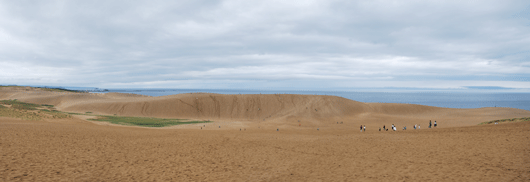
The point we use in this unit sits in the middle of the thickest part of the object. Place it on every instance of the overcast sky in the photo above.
(316, 45)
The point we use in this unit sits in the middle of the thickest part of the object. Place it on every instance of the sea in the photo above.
(448, 99)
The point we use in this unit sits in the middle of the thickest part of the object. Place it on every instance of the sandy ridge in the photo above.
(276, 110)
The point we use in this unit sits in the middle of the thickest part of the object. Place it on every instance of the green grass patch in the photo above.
(56, 111)
(7, 86)
(43, 88)
(144, 121)
(27, 111)
(20, 105)
(506, 120)
(59, 90)
(24, 110)
(56, 114)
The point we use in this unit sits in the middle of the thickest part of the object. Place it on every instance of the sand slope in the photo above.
(74, 149)
(274, 110)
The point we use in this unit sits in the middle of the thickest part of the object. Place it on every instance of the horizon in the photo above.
(366, 90)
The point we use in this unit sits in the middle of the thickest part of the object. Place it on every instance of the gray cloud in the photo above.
(251, 44)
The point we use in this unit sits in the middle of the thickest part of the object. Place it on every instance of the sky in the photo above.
(239, 44)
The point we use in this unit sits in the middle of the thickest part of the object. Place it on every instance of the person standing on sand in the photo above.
(364, 129)
(418, 127)
(384, 128)
(435, 124)
(430, 123)
(361, 128)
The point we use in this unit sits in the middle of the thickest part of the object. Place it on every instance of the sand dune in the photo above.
(74, 149)
(275, 110)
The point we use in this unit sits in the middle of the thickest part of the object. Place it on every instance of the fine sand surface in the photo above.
(79, 150)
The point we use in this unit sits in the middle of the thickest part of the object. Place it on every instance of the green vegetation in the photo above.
(58, 89)
(506, 120)
(31, 111)
(14, 113)
(43, 88)
(20, 105)
(8, 86)
(55, 113)
(144, 121)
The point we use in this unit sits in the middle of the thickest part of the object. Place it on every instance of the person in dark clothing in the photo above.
(430, 123)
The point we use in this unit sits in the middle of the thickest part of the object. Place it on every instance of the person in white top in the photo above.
(418, 126)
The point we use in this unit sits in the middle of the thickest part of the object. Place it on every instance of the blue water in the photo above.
(438, 99)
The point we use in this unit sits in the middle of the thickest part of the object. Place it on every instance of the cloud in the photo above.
(257, 44)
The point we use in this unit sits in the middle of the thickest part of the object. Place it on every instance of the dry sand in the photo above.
(79, 150)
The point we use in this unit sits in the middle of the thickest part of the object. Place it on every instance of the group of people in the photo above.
(385, 129)
(430, 123)
(363, 128)
(404, 128)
